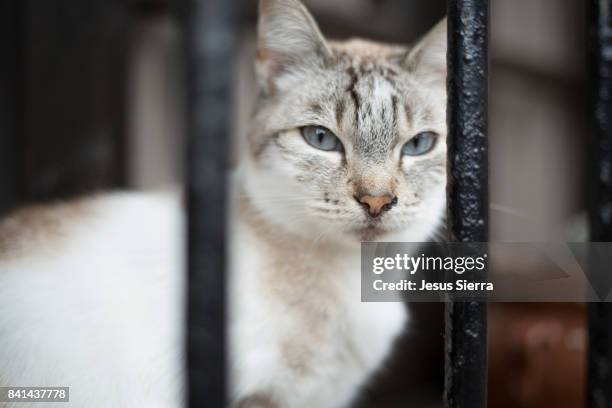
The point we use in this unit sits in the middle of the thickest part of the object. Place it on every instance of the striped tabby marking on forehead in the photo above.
(375, 96)
(340, 108)
(351, 90)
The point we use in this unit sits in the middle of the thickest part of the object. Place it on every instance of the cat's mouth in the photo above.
(370, 232)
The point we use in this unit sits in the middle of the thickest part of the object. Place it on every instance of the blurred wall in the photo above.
(156, 102)
(537, 122)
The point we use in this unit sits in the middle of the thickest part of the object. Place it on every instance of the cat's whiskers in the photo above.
(279, 199)
(299, 215)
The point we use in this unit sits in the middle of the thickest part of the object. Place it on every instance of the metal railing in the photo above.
(468, 202)
(211, 37)
(599, 389)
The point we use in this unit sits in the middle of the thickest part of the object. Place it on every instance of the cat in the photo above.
(347, 143)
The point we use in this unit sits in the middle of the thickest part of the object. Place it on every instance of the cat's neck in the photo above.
(323, 270)
(281, 238)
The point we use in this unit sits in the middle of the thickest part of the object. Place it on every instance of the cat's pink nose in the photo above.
(376, 205)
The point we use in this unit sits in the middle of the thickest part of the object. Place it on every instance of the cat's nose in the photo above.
(376, 205)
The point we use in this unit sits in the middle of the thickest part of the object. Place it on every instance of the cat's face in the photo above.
(349, 139)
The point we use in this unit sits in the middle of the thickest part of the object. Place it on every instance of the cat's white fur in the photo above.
(95, 303)
(92, 293)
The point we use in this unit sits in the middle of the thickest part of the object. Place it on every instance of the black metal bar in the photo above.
(468, 206)
(211, 41)
(11, 101)
(599, 391)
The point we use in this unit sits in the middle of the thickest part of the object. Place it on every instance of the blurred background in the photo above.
(95, 89)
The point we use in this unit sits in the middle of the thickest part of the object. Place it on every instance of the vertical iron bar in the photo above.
(211, 41)
(468, 206)
(599, 391)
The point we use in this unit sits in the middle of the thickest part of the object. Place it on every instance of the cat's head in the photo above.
(348, 141)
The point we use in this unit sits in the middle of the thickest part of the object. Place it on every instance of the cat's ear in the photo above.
(428, 58)
(289, 40)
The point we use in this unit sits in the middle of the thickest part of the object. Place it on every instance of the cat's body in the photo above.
(91, 298)
(300, 335)
(91, 294)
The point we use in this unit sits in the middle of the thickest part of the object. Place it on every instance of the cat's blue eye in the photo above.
(321, 138)
(420, 144)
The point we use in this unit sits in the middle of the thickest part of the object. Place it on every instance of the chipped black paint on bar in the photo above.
(211, 42)
(468, 206)
(599, 391)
